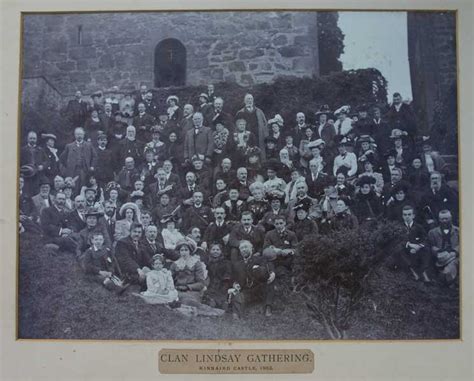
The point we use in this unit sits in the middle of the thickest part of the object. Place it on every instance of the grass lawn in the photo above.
(56, 302)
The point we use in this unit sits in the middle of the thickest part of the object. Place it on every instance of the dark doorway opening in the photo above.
(170, 63)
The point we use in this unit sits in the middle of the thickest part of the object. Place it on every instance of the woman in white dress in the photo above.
(160, 285)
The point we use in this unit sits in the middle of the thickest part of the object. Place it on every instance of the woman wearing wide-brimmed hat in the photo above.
(129, 214)
(175, 114)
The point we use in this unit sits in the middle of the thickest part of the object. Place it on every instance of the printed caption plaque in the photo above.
(235, 361)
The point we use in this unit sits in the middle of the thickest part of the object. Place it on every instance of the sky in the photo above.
(378, 40)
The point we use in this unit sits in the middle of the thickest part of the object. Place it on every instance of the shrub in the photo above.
(333, 271)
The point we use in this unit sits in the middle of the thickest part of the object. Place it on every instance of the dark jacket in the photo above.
(52, 221)
(130, 258)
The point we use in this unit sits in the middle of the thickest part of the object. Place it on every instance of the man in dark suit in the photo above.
(185, 193)
(105, 161)
(280, 245)
(437, 198)
(299, 131)
(198, 215)
(130, 147)
(143, 122)
(218, 115)
(128, 175)
(78, 158)
(316, 180)
(108, 119)
(109, 218)
(84, 237)
(186, 123)
(152, 244)
(77, 218)
(54, 223)
(245, 230)
(254, 276)
(34, 156)
(159, 187)
(325, 130)
(400, 115)
(218, 231)
(413, 251)
(151, 106)
(199, 141)
(129, 256)
(381, 130)
(76, 111)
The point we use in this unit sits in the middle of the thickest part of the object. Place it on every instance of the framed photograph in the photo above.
(280, 179)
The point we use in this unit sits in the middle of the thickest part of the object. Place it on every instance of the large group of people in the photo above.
(195, 205)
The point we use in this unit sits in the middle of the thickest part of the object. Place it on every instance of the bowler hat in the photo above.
(90, 190)
(27, 170)
(44, 181)
(270, 139)
(390, 152)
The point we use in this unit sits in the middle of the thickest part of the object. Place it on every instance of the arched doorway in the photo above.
(170, 63)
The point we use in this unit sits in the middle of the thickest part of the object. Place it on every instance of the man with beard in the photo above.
(129, 256)
(439, 197)
(77, 218)
(242, 184)
(218, 115)
(161, 186)
(254, 277)
(225, 172)
(109, 218)
(198, 215)
(43, 199)
(303, 199)
(444, 244)
(152, 244)
(55, 226)
(128, 175)
(256, 121)
(130, 147)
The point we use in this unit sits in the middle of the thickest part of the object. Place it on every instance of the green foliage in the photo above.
(330, 42)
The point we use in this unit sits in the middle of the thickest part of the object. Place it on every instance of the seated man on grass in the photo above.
(254, 277)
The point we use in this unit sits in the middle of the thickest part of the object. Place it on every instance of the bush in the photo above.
(333, 271)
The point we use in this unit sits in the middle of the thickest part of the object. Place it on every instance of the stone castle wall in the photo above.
(97, 51)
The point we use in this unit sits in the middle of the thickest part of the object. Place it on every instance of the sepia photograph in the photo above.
(238, 175)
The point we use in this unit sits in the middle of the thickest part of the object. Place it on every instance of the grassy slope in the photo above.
(57, 302)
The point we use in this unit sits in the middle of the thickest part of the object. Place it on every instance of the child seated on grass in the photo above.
(101, 266)
(159, 282)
